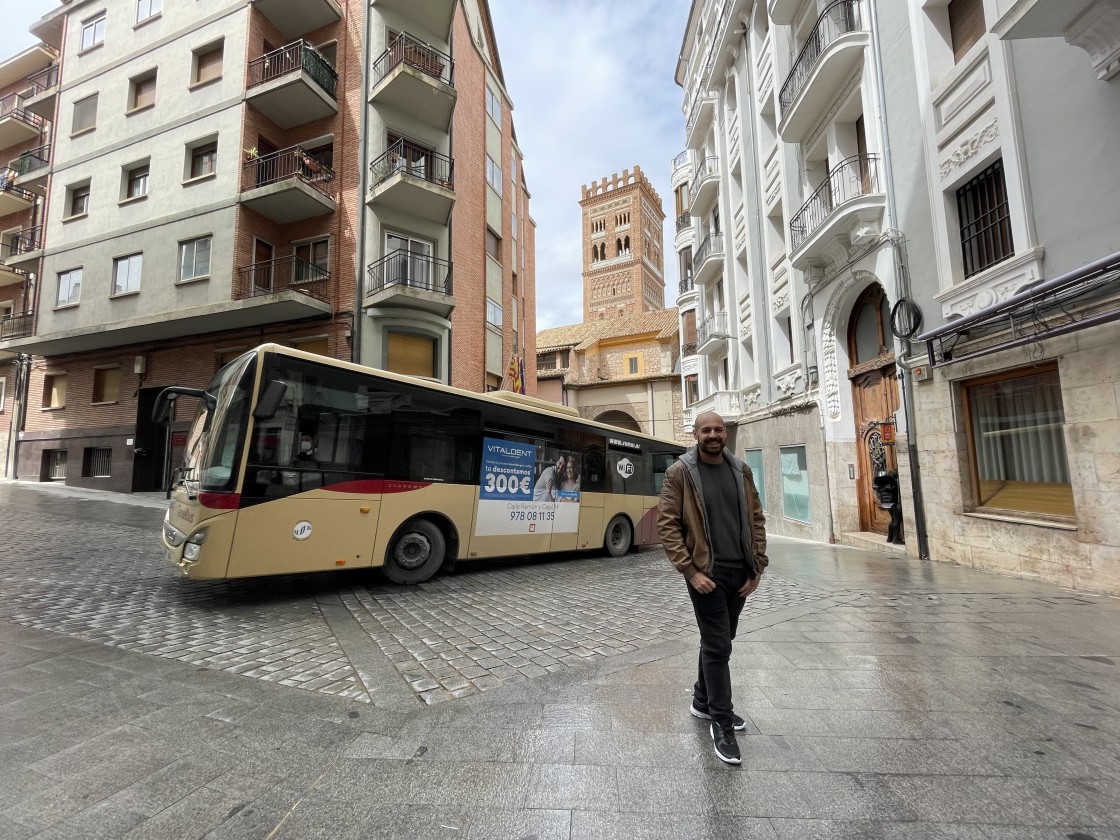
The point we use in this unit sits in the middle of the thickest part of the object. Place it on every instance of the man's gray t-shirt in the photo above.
(725, 514)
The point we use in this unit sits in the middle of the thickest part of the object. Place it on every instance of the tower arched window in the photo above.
(626, 245)
(618, 247)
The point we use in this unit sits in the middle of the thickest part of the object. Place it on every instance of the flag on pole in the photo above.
(515, 375)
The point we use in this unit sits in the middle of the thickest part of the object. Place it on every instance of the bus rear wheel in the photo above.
(416, 553)
(619, 536)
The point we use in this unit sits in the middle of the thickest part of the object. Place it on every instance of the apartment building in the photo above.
(234, 173)
(886, 268)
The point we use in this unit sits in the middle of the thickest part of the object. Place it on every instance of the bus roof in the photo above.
(506, 398)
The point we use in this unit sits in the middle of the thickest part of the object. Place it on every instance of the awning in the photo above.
(1044, 310)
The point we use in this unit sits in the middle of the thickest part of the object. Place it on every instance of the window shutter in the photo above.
(412, 354)
(966, 25)
(210, 65)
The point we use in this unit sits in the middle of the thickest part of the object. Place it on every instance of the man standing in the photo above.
(714, 531)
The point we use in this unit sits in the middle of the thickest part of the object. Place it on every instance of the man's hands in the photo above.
(704, 584)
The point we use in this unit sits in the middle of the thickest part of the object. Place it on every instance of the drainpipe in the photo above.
(358, 319)
(902, 289)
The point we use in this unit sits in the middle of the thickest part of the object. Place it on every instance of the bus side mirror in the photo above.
(168, 395)
(162, 408)
(270, 400)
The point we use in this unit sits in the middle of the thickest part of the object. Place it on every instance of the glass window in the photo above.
(194, 258)
(54, 390)
(985, 220)
(494, 174)
(1016, 442)
(203, 159)
(137, 183)
(93, 32)
(69, 287)
(85, 114)
(493, 106)
(148, 8)
(493, 313)
(106, 384)
(753, 459)
(207, 64)
(126, 274)
(410, 263)
(795, 483)
(78, 203)
(312, 260)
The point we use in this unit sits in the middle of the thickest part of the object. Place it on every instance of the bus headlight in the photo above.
(193, 546)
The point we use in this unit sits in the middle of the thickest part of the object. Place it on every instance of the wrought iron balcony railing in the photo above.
(686, 285)
(408, 158)
(709, 247)
(414, 271)
(281, 275)
(7, 184)
(688, 349)
(45, 79)
(32, 159)
(416, 54)
(684, 220)
(28, 239)
(708, 167)
(12, 106)
(713, 326)
(298, 55)
(17, 326)
(851, 178)
(838, 18)
(681, 160)
(292, 162)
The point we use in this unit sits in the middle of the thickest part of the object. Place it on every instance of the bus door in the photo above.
(630, 475)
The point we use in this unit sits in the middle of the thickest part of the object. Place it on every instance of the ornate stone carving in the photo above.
(835, 314)
(968, 148)
(1097, 32)
(790, 381)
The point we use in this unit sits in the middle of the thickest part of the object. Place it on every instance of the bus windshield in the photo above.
(211, 456)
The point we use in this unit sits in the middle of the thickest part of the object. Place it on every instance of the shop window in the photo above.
(795, 483)
(753, 459)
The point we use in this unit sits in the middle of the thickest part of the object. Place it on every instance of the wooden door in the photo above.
(875, 399)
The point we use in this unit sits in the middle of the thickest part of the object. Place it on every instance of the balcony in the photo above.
(414, 180)
(292, 85)
(699, 117)
(712, 334)
(705, 185)
(32, 168)
(17, 124)
(9, 274)
(431, 15)
(415, 281)
(686, 292)
(41, 93)
(13, 199)
(23, 249)
(723, 403)
(416, 79)
(684, 221)
(851, 194)
(17, 326)
(783, 12)
(297, 19)
(287, 186)
(832, 53)
(707, 263)
(681, 161)
(281, 276)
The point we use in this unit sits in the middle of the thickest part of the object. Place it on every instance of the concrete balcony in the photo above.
(1092, 25)
(295, 19)
(15, 327)
(687, 294)
(417, 79)
(430, 15)
(17, 124)
(705, 185)
(273, 278)
(845, 210)
(783, 12)
(9, 274)
(292, 85)
(833, 51)
(42, 92)
(413, 281)
(23, 249)
(682, 162)
(699, 118)
(32, 168)
(723, 403)
(14, 199)
(707, 263)
(414, 180)
(685, 234)
(712, 334)
(287, 186)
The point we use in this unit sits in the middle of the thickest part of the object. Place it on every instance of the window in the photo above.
(966, 25)
(207, 64)
(753, 459)
(77, 200)
(54, 390)
(136, 181)
(106, 384)
(204, 159)
(493, 106)
(691, 389)
(69, 287)
(194, 259)
(985, 220)
(494, 174)
(3, 392)
(493, 245)
(93, 32)
(312, 260)
(411, 354)
(493, 313)
(142, 91)
(633, 365)
(1016, 446)
(97, 462)
(795, 483)
(147, 8)
(126, 274)
(85, 114)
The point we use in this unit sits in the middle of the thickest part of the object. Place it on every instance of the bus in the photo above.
(301, 463)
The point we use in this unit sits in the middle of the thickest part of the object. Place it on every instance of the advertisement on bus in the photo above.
(527, 489)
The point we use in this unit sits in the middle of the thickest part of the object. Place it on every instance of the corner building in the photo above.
(229, 174)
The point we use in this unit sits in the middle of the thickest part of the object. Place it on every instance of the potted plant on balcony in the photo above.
(251, 153)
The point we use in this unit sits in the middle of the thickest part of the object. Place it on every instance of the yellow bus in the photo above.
(300, 463)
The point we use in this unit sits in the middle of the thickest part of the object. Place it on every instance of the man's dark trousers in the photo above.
(717, 617)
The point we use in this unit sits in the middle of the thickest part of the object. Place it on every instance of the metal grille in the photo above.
(100, 462)
(985, 220)
(57, 464)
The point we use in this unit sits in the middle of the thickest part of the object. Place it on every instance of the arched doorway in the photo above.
(620, 419)
(872, 373)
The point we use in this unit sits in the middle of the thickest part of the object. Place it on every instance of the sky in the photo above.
(593, 94)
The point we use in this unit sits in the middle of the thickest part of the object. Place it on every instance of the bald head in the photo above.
(711, 436)
(709, 418)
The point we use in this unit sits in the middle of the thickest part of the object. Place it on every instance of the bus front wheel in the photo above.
(619, 536)
(416, 554)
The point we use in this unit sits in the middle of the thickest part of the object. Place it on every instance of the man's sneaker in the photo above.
(727, 748)
(739, 723)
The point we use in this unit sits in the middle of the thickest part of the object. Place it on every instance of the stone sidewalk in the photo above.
(885, 698)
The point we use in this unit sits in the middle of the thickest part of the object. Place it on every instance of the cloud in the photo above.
(593, 94)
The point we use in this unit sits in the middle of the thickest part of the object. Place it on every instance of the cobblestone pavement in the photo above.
(453, 636)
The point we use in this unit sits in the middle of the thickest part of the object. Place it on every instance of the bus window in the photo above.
(630, 473)
(217, 464)
(661, 462)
